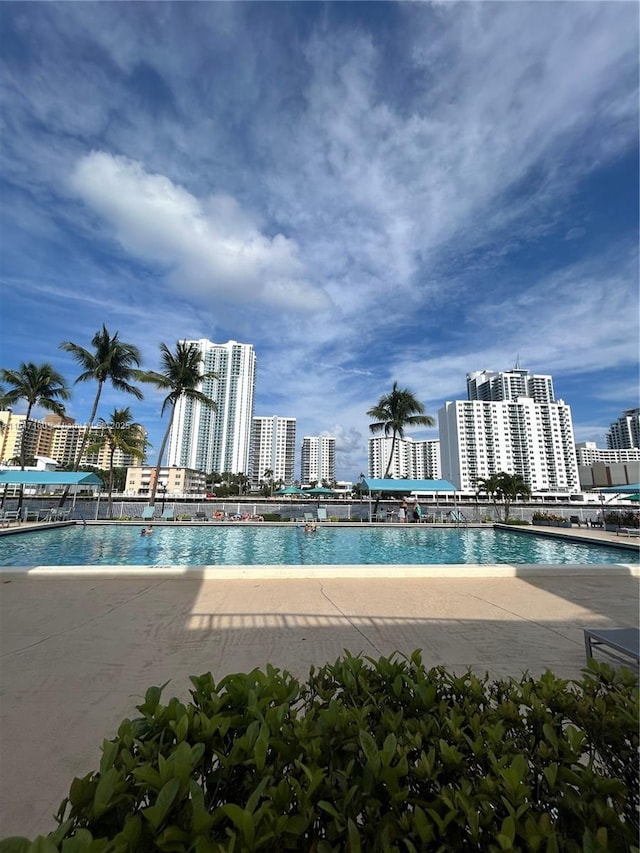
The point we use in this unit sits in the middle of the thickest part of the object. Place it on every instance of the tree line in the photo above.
(109, 361)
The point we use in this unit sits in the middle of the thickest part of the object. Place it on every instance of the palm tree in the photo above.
(180, 376)
(38, 385)
(112, 361)
(268, 481)
(395, 411)
(119, 433)
(503, 489)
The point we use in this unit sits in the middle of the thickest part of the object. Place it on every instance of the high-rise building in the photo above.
(533, 440)
(625, 432)
(58, 438)
(217, 440)
(416, 460)
(273, 448)
(37, 439)
(318, 459)
(494, 386)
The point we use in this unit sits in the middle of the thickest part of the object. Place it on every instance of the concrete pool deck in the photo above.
(77, 653)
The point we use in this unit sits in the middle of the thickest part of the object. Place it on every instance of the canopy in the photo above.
(626, 489)
(407, 486)
(318, 490)
(289, 490)
(49, 478)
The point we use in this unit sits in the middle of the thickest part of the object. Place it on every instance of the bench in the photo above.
(621, 644)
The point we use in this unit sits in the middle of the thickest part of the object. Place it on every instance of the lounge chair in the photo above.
(169, 514)
(10, 515)
(621, 644)
(202, 516)
(321, 513)
(628, 531)
(148, 513)
(30, 514)
(574, 519)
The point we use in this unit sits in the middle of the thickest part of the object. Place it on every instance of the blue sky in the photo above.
(367, 192)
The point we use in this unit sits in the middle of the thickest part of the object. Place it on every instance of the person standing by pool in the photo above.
(417, 511)
(402, 512)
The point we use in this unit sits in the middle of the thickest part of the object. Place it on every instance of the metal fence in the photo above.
(358, 511)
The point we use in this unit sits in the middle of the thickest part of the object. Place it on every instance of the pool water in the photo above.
(290, 545)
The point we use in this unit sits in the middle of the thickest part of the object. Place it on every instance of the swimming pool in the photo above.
(104, 545)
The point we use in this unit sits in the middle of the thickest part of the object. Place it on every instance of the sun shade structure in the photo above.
(289, 490)
(49, 478)
(628, 489)
(318, 490)
(408, 487)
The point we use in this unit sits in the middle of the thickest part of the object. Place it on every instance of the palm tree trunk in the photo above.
(386, 473)
(27, 421)
(110, 497)
(165, 438)
(393, 447)
(87, 432)
(84, 442)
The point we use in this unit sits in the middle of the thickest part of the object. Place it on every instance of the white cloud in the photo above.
(208, 249)
(351, 200)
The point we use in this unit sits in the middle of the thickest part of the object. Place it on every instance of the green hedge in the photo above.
(366, 755)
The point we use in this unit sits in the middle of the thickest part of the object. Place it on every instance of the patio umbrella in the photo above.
(319, 490)
(289, 490)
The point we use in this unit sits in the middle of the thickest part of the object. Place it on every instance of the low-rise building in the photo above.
(172, 481)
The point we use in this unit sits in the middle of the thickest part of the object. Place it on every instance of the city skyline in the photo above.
(365, 192)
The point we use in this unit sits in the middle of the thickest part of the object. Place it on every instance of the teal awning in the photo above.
(407, 486)
(49, 478)
(626, 489)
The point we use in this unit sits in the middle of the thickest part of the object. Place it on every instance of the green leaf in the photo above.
(261, 747)
(109, 755)
(354, 837)
(156, 813)
(181, 728)
(234, 813)
(102, 800)
(327, 807)
(370, 749)
(551, 774)
(81, 791)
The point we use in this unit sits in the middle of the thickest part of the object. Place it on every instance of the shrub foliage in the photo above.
(366, 755)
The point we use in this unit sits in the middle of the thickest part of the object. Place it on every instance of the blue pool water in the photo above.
(257, 545)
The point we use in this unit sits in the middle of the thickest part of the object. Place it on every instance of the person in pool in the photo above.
(146, 531)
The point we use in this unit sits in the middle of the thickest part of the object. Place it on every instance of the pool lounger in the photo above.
(622, 644)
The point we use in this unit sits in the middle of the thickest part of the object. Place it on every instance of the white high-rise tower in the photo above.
(318, 459)
(513, 423)
(209, 440)
(509, 385)
(273, 448)
(625, 432)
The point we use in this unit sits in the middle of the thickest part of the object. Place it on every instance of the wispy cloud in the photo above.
(366, 192)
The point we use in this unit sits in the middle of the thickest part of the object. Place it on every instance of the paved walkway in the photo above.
(76, 654)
